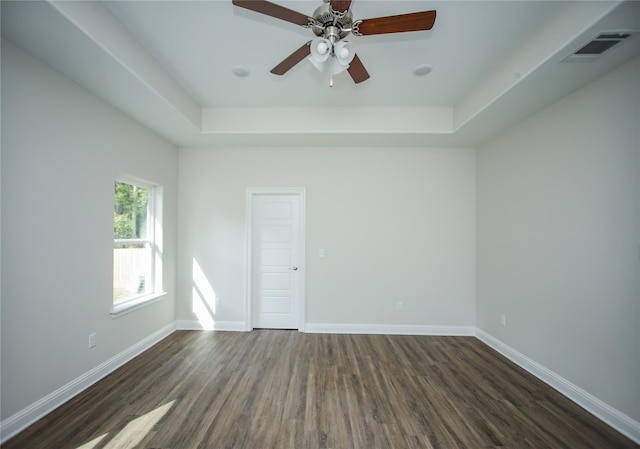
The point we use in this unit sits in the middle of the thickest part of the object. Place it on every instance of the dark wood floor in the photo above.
(285, 389)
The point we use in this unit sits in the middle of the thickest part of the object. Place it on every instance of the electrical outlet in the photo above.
(218, 302)
(93, 340)
(399, 306)
(503, 321)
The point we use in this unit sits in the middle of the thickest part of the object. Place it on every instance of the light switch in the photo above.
(321, 252)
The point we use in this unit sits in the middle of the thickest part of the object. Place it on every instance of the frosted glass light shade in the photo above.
(341, 54)
(344, 52)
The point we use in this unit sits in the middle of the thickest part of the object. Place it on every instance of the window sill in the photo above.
(130, 306)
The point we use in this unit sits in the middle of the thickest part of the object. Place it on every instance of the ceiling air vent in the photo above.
(598, 45)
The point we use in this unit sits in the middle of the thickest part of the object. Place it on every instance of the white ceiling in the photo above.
(168, 65)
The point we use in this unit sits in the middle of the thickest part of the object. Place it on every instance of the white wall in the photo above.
(61, 150)
(558, 232)
(396, 224)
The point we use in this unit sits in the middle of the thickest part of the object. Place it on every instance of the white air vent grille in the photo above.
(597, 45)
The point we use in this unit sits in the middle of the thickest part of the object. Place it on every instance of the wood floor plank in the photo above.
(285, 389)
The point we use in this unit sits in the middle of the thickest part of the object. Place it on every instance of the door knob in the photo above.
(293, 268)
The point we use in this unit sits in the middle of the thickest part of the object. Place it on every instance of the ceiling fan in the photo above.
(331, 23)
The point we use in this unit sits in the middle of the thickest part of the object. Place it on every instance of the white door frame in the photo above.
(251, 194)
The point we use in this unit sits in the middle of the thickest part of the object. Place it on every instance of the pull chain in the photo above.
(331, 69)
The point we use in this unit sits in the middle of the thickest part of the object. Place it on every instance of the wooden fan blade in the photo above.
(340, 5)
(273, 10)
(292, 59)
(357, 71)
(417, 21)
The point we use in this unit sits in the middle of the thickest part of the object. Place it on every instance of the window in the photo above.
(136, 257)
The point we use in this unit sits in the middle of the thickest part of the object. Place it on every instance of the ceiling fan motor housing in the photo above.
(329, 23)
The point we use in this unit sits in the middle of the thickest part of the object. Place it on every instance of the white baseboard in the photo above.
(616, 419)
(389, 329)
(195, 325)
(24, 418)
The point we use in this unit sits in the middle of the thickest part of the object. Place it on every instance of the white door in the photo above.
(276, 259)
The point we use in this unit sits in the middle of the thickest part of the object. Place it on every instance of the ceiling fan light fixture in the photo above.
(345, 52)
(337, 66)
(320, 51)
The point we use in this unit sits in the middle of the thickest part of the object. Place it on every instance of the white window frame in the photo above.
(154, 240)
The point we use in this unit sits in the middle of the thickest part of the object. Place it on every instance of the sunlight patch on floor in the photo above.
(134, 432)
(93, 443)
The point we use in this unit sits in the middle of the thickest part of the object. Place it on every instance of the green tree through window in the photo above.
(130, 211)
